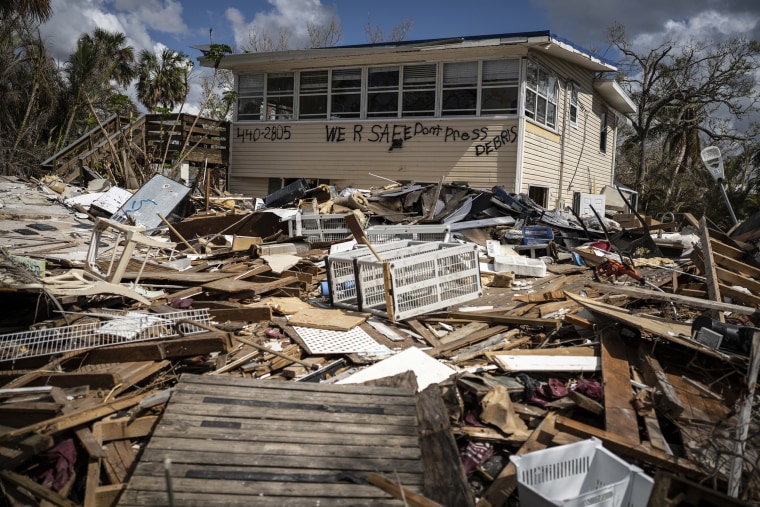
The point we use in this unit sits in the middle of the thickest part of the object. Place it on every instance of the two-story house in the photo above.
(531, 112)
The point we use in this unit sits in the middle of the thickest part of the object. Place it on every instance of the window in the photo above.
(541, 92)
(471, 88)
(539, 195)
(250, 96)
(382, 91)
(501, 79)
(460, 89)
(312, 101)
(418, 97)
(603, 132)
(279, 98)
(346, 93)
(573, 90)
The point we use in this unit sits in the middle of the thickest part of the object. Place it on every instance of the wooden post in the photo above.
(745, 414)
(711, 277)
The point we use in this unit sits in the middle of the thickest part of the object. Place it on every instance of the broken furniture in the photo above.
(421, 277)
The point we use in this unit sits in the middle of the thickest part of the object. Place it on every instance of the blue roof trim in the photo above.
(584, 50)
(538, 33)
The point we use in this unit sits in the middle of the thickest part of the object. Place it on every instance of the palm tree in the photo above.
(40, 10)
(162, 79)
(101, 63)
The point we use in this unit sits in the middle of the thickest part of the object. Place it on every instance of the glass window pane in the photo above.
(347, 80)
(419, 103)
(383, 78)
(249, 108)
(382, 104)
(460, 74)
(501, 72)
(280, 83)
(346, 105)
(459, 102)
(419, 76)
(314, 82)
(251, 84)
(499, 100)
(313, 106)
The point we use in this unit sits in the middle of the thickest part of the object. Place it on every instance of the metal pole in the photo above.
(728, 203)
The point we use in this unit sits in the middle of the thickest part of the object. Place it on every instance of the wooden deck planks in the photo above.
(232, 441)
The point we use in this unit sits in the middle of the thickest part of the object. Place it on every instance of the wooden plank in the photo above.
(321, 318)
(329, 403)
(506, 319)
(445, 480)
(219, 426)
(426, 334)
(732, 278)
(619, 413)
(222, 499)
(75, 418)
(397, 490)
(161, 349)
(35, 488)
(697, 302)
(745, 416)
(666, 396)
(231, 285)
(483, 333)
(463, 332)
(125, 428)
(623, 446)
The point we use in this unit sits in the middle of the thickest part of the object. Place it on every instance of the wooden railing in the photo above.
(138, 146)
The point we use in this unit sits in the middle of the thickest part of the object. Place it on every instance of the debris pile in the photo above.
(421, 344)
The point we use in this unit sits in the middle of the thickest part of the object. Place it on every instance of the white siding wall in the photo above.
(582, 167)
(480, 152)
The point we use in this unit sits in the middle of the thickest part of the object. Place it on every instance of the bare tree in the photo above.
(375, 34)
(686, 93)
(325, 35)
(264, 42)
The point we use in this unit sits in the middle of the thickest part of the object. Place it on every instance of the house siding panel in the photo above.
(480, 152)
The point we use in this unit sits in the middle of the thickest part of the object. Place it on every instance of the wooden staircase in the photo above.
(130, 152)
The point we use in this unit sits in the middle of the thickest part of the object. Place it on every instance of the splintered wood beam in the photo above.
(500, 318)
(745, 416)
(445, 480)
(624, 447)
(400, 492)
(711, 277)
(619, 413)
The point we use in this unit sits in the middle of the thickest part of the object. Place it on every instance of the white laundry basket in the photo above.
(580, 474)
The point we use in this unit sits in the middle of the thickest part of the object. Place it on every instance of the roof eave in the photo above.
(614, 95)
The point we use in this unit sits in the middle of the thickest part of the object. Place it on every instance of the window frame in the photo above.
(420, 94)
(573, 108)
(543, 86)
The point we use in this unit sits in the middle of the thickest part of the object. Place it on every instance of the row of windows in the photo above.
(473, 88)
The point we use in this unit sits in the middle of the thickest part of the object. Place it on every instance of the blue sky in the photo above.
(180, 24)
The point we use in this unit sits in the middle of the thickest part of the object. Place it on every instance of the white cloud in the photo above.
(289, 15)
(707, 25)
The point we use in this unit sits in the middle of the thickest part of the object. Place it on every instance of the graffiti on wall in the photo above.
(485, 141)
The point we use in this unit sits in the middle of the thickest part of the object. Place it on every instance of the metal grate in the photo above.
(120, 328)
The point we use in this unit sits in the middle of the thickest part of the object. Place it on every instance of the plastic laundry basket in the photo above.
(580, 474)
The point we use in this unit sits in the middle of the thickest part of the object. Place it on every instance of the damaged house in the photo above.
(529, 111)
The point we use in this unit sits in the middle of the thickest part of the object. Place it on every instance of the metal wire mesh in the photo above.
(118, 328)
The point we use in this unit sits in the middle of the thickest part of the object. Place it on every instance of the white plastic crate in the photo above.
(378, 234)
(318, 228)
(423, 278)
(580, 474)
(341, 270)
